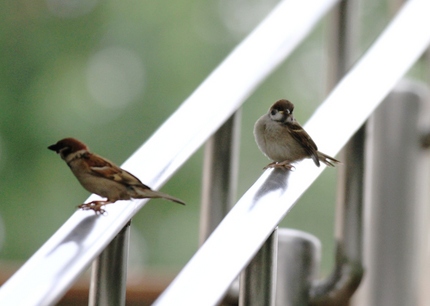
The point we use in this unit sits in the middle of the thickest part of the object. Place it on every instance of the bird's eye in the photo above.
(273, 112)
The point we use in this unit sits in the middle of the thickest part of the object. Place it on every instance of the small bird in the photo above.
(100, 176)
(282, 139)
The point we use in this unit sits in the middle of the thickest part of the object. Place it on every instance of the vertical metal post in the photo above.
(343, 40)
(220, 170)
(219, 175)
(298, 263)
(109, 272)
(338, 288)
(258, 280)
(396, 178)
(351, 174)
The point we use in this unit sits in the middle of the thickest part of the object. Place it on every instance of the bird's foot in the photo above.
(282, 165)
(96, 206)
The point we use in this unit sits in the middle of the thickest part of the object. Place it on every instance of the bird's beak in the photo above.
(54, 147)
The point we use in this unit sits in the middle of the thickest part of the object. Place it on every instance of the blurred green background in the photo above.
(109, 73)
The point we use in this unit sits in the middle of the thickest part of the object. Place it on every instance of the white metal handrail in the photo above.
(206, 277)
(53, 268)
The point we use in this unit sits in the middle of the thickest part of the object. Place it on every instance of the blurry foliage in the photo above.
(109, 73)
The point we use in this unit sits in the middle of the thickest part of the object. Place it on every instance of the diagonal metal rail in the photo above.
(206, 277)
(47, 275)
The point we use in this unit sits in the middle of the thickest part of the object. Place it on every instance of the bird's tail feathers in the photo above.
(328, 160)
(149, 193)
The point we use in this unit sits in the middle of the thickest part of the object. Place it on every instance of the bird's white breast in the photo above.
(275, 141)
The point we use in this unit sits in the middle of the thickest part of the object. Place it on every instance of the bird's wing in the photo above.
(303, 138)
(106, 169)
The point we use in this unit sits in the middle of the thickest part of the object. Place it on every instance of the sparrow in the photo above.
(100, 176)
(282, 139)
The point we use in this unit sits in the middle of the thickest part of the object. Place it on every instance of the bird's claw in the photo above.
(96, 206)
(280, 165)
